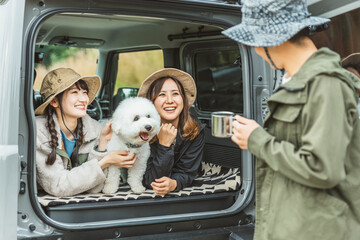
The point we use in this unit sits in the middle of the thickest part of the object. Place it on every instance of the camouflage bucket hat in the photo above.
(267, 23)
(59, 80)
(184, 78)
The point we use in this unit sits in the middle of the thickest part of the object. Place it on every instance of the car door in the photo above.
(10, 154)
(229, 77)
(173, 217)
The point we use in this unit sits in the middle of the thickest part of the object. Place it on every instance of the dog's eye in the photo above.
(136, 118)
(148, 116)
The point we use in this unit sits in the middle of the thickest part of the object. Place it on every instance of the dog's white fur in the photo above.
(132, 117)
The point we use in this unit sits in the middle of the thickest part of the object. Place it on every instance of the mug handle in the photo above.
(232, 118)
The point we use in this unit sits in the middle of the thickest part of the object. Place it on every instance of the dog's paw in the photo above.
(138, 189)
(109, 189)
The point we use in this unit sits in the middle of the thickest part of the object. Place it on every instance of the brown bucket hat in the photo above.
(59, 80)
(184, 78)
(351, 60)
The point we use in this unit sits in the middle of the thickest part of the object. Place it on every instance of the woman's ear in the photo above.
(54, 103)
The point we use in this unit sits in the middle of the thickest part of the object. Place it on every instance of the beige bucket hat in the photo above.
(59, 80)
(184, 78)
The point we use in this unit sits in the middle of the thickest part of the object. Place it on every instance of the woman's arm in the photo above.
(180, 175)
(105, 136)
(186, 168)
(161, 158)
(58, 181)
(327, 128)
(159, 164)
(55, 179)
(97, 147)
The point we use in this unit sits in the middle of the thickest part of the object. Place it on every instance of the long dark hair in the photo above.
(78, 133)
(188, 127)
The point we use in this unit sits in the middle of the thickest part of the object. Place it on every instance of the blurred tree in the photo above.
(53, 54)
(134, 67)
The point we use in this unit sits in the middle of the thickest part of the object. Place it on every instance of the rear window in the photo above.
(219, 80)
(48, 58)
(134, 67)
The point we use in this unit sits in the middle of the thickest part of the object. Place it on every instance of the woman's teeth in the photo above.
(80, 107)
(169, 109)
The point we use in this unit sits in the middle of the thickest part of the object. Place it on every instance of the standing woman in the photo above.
(177, 151)
(71, 147)
(308, 152)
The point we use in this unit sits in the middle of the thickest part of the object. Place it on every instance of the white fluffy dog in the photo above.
(135, 122)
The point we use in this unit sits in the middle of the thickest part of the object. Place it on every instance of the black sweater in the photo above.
(180, 164)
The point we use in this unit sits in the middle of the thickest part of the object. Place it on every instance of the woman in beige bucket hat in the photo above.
(71, 147)
(177, 151)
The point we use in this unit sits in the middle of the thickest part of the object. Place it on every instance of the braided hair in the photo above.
(50, 125)
(78, 132)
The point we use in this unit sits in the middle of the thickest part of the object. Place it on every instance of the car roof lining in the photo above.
(119, 31)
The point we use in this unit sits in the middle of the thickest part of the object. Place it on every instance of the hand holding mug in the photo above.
(221, 124)
(242, 129)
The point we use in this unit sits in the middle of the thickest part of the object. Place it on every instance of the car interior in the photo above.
(224, 184)
(215, 63)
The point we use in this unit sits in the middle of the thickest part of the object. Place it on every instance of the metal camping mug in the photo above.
(221, 124)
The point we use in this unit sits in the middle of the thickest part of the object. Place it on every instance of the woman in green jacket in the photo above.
(308, 150)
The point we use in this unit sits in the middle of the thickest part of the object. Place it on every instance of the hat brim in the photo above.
(352, 59)
(260, 36)
(93, 83)
(184, 78)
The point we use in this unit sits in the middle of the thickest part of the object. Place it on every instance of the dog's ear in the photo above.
(116, 127)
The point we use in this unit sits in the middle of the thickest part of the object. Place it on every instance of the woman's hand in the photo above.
(105, 136)
(167, 134)
(164, 185)
(242, 128)
(118, 158)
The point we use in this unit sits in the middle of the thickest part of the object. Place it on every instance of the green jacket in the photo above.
(308, 156)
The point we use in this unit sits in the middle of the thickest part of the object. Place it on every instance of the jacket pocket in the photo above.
(286, 124)
(287, 113)
(338, 205)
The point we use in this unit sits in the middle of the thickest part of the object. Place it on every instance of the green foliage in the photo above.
(54, 54)
(134, 67)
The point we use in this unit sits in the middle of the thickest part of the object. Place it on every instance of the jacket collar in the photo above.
(90, 132)
(323, 61)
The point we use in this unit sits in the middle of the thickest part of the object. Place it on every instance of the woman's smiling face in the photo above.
(75, 102)
(169, 102)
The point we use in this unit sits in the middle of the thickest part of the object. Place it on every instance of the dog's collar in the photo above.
(129, 145)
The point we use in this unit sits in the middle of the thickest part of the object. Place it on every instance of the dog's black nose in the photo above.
(148, 127)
